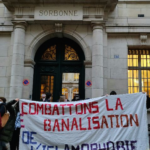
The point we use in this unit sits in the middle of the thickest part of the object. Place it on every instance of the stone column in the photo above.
(97, 60)
(17, 66)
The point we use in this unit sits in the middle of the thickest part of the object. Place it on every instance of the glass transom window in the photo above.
(70, 53)
(50, 53)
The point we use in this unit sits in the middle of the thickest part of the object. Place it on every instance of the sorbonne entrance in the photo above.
(59, 69)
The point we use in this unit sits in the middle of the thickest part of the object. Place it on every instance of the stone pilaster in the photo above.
(28, 74)
(17, 66)
(88, 77)
(97, 60)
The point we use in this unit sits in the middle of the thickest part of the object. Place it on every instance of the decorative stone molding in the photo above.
(20, 24)
(58, 27)
(24, 12)
(86, 12)
(45, 35)
(93, 12)
(12, 4)
(19, 12)
(29, 63)
(97, 24)
(99, 12)
(88, 64)
(143, 39)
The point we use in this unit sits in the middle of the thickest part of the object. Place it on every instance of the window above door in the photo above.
(70, 54)
(49, 54)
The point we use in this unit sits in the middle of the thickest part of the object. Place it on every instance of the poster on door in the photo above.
(116, 122)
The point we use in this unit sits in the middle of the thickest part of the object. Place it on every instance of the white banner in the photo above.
(117, 122)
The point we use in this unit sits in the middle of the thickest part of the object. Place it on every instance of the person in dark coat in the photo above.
(148, 102)
(48, 97)
(14, 143)
(2, 106)
(2, 112)
(7, 131)
(113, 93)
(76, 97)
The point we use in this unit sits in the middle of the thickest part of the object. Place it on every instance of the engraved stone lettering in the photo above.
(41, 13)
(58, 13)
(45, 13)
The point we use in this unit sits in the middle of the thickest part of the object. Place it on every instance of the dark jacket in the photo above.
(2, 109)
(7, 132)
(148, 102)
(46, 100)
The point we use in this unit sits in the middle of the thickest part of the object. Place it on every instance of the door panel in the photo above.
(47, 85)
(70, 84)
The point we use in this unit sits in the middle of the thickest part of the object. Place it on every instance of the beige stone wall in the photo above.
(126, 14)
(4, 65)
(5, 15)
(116, 41)
(132, 10)
(117, 67)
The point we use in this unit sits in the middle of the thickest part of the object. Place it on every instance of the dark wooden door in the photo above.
(53, 58)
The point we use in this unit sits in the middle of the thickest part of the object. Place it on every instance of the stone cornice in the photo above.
(12, 4)
(92, 13)
(127, 29)
(134, 1)
(30, 10)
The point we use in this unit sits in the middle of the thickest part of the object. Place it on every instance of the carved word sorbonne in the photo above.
(58, 13)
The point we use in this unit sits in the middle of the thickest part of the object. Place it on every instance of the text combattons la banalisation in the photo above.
(76, 123)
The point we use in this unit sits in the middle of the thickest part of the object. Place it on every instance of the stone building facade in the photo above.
(107, 32)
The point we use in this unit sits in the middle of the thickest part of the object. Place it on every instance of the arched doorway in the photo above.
(59, 69)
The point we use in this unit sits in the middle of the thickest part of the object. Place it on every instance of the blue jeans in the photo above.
(3, 146)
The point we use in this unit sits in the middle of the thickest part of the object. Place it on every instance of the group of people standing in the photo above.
(11, 131)
(48, 98)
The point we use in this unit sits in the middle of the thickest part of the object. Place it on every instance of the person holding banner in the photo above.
(2, 106)
(62, 98)
(113, 93)
(2, 112)
(7, 131)
(14, 143)
(43, 97)
(76, 97)
(147, 98)
(148, 102)
(48, 97)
